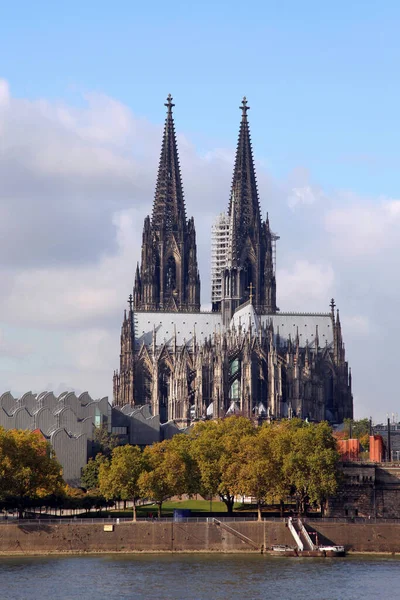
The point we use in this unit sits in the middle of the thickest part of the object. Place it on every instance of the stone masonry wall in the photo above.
(186, 537)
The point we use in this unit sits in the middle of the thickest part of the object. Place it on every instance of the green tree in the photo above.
(119, 477)
(28, 468)
(360, 430)
(103, 441)
(310, 462)
(260, 473)
(90, 472)
(216, 446)
(170, 470)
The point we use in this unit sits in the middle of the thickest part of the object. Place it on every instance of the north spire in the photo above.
(168, 278)
(169, 211)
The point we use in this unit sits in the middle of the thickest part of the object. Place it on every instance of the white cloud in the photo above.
(91, 350)
(4, 93)
(361, 229)
(358, 325)
(305, 284)
(303, 195)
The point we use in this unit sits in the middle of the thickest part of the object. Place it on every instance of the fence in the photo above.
(116, 521)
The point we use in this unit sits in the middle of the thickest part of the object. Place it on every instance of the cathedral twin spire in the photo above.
(168, 278)
(169, 205)
(244, 184)
(249, 260)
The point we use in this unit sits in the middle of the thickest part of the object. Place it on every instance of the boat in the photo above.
(282, 548)
(332, 550)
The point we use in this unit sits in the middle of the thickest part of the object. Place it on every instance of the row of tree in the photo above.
(226, 458)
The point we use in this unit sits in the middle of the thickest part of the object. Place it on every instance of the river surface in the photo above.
(198, 577)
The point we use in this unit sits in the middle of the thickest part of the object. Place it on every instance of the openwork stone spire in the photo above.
(249, 255)
(244, 183)
(169, 206)
(168, 278)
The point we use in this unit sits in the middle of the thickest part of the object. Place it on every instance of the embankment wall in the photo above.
(42, 538)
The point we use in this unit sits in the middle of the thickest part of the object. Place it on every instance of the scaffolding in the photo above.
(274, 239)
(219, 247)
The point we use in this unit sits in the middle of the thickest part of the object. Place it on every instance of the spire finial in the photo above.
(169, 104)
(130, 302)
(333, 305)
(251, 292)
(244, 108)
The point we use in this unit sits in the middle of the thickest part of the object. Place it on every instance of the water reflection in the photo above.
(197, 577)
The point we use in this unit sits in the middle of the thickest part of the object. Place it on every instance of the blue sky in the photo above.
(321, 78)
(82, 87)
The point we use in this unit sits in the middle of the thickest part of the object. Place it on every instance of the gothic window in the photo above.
(235, 379)
(260, 383)
(329, 387)
(163, 390)
(143, 384)
(170, 275)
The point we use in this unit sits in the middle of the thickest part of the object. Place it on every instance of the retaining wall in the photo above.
(32, 538)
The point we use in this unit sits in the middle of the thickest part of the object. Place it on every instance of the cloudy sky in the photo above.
(81, 116)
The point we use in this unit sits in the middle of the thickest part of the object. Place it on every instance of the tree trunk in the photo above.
(282, 507)
(228, 501)
(323, 506)
(134, 510)
(259, 511)
(159, 509)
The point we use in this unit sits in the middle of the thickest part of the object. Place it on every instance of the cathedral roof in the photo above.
(203, 325)
(288, 324)
(169, 205)
(246, 315)
(168, 324)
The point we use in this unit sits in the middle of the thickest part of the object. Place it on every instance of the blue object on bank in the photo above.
(180, 514)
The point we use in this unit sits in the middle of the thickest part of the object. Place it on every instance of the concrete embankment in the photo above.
(51, 538)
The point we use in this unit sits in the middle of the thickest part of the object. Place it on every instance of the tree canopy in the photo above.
(227, 458)
(28, 468)
(216, 447)
(170, 470)
(119, 477)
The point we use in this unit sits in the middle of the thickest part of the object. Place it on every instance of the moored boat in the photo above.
(332, 550)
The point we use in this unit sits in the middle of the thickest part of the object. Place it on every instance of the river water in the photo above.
(198, 577)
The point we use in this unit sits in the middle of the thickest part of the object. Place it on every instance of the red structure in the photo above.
(349, 449)
(376, 448)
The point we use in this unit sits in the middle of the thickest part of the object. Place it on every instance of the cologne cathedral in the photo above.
(245, 356)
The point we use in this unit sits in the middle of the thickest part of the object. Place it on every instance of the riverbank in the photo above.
(185, 537)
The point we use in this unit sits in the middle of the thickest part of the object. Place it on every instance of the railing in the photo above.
(295, 534)
(306, 535)
(237, 534)
(118, 520)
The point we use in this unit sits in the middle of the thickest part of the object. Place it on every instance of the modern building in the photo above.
(69, 423)
(245, 356)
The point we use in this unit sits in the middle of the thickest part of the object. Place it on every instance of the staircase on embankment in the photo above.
(237, 534)
(300, 535)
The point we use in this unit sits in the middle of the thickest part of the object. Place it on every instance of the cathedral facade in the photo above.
(245, 356)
